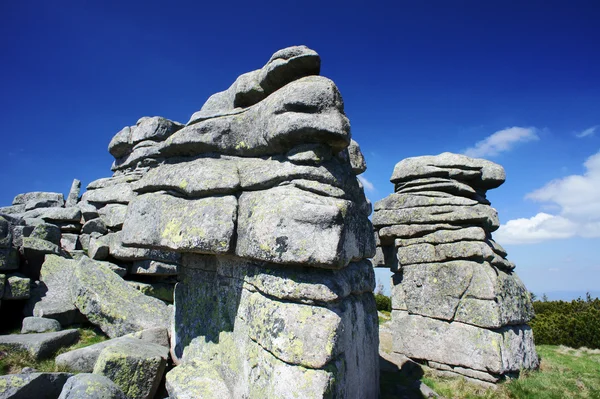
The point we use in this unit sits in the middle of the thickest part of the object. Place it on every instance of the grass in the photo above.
(13, 361)
(564, 373)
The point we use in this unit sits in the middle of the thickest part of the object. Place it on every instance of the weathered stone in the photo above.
(469, 250)
(144, 154)
(120, 144)
(9, 259)
(37, 196)
(2, 284)
(308, 110)
(448, 186)
(88, 211)
(479, 214)
(120, 252)
(130, 177)
(161, 221)
(32, 385)
(162, 291)
(47, 232)
(357, 160)
(17, 288)
(13, 209)
(477, 172)
(291, 226)
(309, 154)
(154, 128)
(425, 198)
(43, 203)
(98, 249)
(35, 246)
(238, 314)
(110, 303)
(153, 267)
(40, 345)
(113, 215)
(445, 236)
(39, 325)
(284, 67)
(501, 351)
(112, 194)
(82, 360)
(52, 215)
(134, 365)
(70, 242)
(94, 226)
(73, 196)
(91, 386)
(194, 178)
(54, 299)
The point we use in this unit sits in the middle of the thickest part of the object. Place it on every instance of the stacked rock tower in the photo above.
(457, 304)
(259, 195)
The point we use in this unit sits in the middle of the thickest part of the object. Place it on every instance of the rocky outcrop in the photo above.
(457, 303)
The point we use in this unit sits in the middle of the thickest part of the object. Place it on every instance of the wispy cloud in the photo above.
(589, 132)
(501, 141)
(578, 200)
(366, 184)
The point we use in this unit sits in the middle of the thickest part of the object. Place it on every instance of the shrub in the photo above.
(575, 324)
(384, 303)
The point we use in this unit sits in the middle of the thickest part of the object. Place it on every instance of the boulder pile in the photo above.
(457, 304)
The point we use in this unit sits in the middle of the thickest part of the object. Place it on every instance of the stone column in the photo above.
(259, 194)
(457, 304)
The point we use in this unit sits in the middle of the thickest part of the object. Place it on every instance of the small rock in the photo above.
(39, 325)
(91, 386)
(40, 345)
(32, 385)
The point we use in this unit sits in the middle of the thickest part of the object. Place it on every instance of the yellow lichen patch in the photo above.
(172, 231)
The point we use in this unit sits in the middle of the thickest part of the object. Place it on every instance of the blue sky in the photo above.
(515, 82)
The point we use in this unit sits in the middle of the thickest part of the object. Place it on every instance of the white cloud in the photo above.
(366, 184)
(578, 200)
(540, 227)
(587, 132)
(501, 141)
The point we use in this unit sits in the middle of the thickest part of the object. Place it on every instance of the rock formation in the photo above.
(457, 304)
(254, 208)
(259, 195)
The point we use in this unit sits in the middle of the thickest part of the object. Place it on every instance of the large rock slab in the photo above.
(91, 386)
(291, 226)
(32, 385)
(113, 305)
(38, 196)
(53, 298)
(136, 366)
(308, 110)
(40, 345)
(284, 66)
(465, 291)
(499, 351)
(158, 220)
(477, 172)
(463, 215)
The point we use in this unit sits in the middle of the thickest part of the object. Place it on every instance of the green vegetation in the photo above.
(564, 373)
(384, 303)
(574, 324)
(13, 361)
